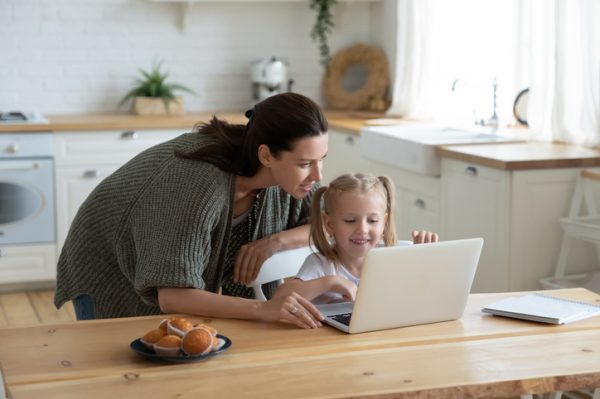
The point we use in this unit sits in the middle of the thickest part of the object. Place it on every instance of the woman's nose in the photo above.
(317, 172)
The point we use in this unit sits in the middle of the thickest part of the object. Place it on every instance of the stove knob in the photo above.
(12, 149)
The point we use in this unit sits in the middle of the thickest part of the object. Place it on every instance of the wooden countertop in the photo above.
(529, 155)
(351, 123)
(478, 355)
(520, 156)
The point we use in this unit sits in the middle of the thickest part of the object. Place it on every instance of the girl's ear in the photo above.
(264, 155)
(327, 223)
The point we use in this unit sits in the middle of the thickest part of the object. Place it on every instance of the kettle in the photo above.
(269, 77)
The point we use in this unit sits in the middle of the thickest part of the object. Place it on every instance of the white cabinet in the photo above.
(27, 263)
(84, 159)
(476, 203)
(516, 212)
(343, 156)
(417, 199)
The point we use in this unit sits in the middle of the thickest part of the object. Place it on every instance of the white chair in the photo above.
(279, 266)
(578, 227)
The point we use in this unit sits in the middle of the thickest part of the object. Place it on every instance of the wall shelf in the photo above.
(186, 5)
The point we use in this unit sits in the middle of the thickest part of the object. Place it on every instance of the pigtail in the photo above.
(318, 236)
(389, 232)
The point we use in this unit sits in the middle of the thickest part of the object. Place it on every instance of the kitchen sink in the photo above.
(412, 147)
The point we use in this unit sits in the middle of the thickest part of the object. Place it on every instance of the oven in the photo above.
(26, 189)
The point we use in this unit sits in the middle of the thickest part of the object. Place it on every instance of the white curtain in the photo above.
(550, 46)
(564, 100)
(409, 92)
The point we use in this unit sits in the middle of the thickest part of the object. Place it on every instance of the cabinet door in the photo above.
(417, 199)
(27, 263)
(73, 185)
(343, 156)
(106, 147)
(476, 203)
(540, 198)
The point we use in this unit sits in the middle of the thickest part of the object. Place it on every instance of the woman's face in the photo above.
(298, 170)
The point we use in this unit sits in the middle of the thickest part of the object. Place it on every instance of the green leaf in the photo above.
(153, 84)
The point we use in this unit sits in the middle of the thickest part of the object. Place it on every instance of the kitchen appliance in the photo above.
(26, 188)
(20, 117)
(270, 77)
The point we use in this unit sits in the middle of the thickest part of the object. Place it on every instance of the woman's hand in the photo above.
(250, 258)
(292, 308)
(421, 237)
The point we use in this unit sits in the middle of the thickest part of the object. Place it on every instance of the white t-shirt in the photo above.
(315, 266)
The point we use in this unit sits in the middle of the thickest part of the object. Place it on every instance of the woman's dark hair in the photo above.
(278, 122)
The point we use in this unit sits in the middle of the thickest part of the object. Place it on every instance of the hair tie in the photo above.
(250, 113)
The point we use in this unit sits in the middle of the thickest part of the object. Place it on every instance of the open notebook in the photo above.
(543, 308)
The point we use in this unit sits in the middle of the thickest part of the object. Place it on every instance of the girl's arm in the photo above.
(293, 308)
(311, 289)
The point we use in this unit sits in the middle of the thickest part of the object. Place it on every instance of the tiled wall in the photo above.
(72, 56)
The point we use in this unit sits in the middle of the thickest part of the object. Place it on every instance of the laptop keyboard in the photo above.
(343, 318)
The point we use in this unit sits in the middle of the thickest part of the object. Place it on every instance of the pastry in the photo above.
(169, 345)
(197, 341)
(152, 337)
(179, 326)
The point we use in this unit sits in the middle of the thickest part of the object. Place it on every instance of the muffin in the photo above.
(169, 345)
(179, 326)
(210, 329)
(152, 337)
(216, 342)
(197, 341)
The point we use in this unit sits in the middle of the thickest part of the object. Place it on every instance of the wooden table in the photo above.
(477, 356)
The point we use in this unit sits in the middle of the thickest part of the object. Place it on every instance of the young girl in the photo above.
(357, 213)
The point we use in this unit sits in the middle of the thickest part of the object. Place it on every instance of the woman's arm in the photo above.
(293, 308)
(252, 255)
(311, 289)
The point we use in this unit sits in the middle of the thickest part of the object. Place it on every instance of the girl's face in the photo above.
(298, 170)
(357, 223)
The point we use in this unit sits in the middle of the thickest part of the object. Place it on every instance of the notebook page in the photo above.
(543, 308)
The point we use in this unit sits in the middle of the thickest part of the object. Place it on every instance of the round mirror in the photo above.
(355, 77)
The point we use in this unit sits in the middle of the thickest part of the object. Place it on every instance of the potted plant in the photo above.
(153, 96)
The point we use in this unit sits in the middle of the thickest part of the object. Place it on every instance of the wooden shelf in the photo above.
(186, 5)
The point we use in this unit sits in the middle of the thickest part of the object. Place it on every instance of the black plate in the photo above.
(141, 350)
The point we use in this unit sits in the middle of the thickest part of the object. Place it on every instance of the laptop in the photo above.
(409, 285)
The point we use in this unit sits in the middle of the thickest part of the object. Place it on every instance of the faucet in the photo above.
(492, 121)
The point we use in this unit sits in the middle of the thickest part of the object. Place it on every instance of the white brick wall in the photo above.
(72, 56)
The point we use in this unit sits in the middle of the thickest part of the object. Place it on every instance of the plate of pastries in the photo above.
(178, 340)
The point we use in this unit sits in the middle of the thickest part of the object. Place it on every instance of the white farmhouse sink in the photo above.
(412, 147)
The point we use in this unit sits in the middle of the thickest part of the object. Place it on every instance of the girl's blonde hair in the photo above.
(323, 201)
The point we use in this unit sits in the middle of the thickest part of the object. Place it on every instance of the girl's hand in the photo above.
(250, 258)
(421, 237)
(292, 308)
(344, 287)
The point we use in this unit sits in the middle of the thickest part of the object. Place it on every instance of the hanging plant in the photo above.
(323, 27)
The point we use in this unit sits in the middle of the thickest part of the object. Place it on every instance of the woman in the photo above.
(196, 216)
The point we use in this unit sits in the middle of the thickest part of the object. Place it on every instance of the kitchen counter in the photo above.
(110, 121)
(529, 155)
(520, 156)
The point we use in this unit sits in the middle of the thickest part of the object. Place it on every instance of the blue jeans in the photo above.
(84, 307)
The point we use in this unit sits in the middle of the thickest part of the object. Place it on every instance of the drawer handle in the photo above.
(91, 174)
(349, 140)
(471, 171)
(419, 203)
(129, 135)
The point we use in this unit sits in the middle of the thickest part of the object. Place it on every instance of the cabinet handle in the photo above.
(419, 203)
(129, 135)
(349, 140)
(471, 171)
(3, 253)
(90, 174)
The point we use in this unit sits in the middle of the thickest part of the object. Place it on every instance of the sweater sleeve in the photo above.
(175, 230)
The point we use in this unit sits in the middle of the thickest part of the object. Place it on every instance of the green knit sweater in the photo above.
(159, 221)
